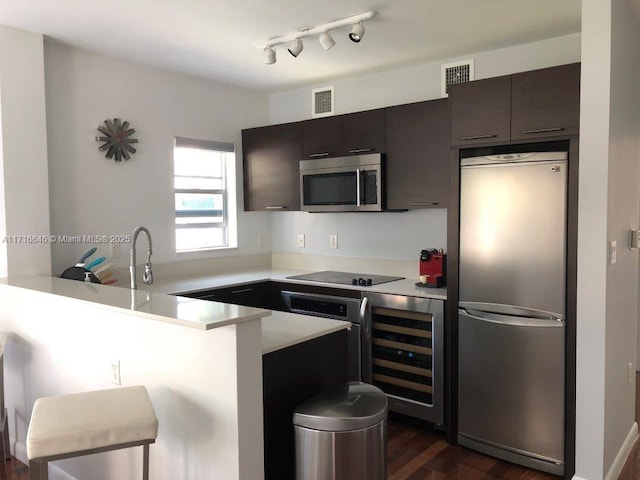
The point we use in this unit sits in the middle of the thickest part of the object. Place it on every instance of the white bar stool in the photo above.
(90, 422)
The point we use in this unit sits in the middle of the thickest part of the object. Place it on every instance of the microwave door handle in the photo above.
(358, 187)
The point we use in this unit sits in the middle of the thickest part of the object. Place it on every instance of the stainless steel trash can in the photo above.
(342, 434)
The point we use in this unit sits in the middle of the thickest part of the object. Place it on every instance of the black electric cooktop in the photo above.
(345, 278)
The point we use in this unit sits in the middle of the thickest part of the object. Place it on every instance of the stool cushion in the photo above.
(88, 420)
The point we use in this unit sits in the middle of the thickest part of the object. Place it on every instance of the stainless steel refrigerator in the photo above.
(511, 315)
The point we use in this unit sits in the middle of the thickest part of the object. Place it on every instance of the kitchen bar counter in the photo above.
(279, 329)
(406, 286)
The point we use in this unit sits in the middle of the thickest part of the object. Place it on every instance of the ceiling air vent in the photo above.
(322, 102)
(457, 72)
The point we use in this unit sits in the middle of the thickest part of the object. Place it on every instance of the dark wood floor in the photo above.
(631, 470)
(416, 451)
(17, 470)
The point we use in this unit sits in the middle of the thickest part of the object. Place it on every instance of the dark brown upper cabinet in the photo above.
(362, 132)
(321, 138)
(417, 155)
(536, 104)
(271, 157)
(480, 111)
(546, 102)
(351, 134)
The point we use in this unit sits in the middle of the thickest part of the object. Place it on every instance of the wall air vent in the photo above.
(457, 72)
(322, 104)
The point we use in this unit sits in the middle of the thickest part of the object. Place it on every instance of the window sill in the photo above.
(208, 249)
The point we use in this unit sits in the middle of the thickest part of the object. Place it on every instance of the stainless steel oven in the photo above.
(338, 308)
(342, 184)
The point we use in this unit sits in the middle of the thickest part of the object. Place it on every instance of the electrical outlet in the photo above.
(260, 240)
(115, 372)
(613, 252)
(114, 250)
(301, 240)
(333, 241)
(632, 373)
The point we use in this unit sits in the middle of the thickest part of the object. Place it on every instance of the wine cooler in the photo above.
(403, 352)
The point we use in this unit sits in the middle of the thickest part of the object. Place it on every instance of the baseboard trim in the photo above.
(623, 453)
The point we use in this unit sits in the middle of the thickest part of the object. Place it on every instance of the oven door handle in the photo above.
(358, 187)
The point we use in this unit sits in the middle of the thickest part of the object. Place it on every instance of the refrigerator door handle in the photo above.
(515, 321)
(510, 310)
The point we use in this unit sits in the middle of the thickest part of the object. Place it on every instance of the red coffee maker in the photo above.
(433, 265)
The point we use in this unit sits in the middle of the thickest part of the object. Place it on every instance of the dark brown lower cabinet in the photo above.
(289, 377)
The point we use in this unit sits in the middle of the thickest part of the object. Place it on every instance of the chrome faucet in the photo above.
(147, 276)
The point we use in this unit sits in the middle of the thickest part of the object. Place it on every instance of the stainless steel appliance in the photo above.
(338, 308)
(342, 184)
(345, 278)
(402, 352)
(512, 307)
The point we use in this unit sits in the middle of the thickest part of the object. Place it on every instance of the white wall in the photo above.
(24, 188)
(94, 195)
(623, 214)
(609, 198)
(398, 236)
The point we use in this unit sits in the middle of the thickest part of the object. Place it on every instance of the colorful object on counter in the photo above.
(104, 275)
(110, 282)
(78, 273)
(103, 268)
(87, 255)
(97, 261)
(433, 268)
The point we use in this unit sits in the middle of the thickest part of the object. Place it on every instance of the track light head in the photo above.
(357, 32)
(295, 48)
(326, 40)
(269, 55)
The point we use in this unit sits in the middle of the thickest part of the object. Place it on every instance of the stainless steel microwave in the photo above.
(342, 184)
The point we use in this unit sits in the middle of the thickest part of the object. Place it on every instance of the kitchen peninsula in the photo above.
(206, 386)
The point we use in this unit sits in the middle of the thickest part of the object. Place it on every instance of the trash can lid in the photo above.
(352, 406)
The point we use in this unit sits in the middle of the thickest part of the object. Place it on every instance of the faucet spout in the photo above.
(147, 277)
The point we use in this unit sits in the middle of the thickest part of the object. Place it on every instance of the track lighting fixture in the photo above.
(357, 32)
(295, 48)
(323, 31)
(269, 55)
(326, 40)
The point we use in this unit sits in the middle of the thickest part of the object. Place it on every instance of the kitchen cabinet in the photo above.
(291, 376)
(480, 111)
(546, 102)
(417, 155)
(363, 132)
(350, 134)
(259, 295)
(528, 105)
(271, 157)
(321, 138)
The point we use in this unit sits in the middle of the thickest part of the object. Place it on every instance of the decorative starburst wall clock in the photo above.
(117, 139)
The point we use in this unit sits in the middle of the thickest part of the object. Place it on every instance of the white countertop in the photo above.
(189, 312)
(283, 329)
(406, 286)
(279, 329)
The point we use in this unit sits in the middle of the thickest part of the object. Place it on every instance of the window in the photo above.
(204, 182)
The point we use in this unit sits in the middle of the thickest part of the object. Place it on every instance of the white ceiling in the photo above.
(217, 39)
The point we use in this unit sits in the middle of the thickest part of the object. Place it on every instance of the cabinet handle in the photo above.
(276, 207)
(316, 155)
(424, 204)
(242, 290)
(361, 150)
(477, 137)
(543, 130)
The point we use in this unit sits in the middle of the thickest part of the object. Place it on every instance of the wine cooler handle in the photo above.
(366, 348)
